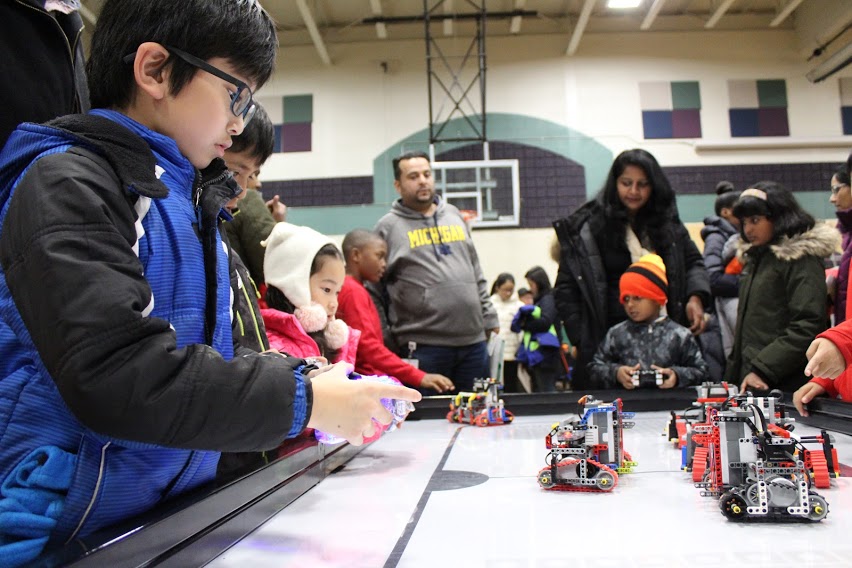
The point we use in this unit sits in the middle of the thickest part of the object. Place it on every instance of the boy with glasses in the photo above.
(118, 381)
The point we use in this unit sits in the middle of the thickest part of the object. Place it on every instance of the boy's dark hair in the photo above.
(523, 292)
(653, 218)
(276, 299)
(539, 276)
(842, 175)
(397, 172)
(356, 239)
(780, 206)
(257, 138)
(726, 196)
(237, 30)
(501, 279)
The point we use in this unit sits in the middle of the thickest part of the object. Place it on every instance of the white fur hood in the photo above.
(821, 241)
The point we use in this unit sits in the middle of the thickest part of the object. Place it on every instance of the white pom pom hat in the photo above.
(290, 251)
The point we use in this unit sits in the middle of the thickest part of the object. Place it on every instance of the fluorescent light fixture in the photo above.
(832, 65)
(623, 4)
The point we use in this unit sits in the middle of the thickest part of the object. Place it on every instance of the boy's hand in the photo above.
(752, 380)
(624, 376)
(804, 395)
(347, 408)
(278, 209)
(437, 382)
(824, 359)
(669, 377)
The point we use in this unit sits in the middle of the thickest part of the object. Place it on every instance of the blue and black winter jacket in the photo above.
(118, 381)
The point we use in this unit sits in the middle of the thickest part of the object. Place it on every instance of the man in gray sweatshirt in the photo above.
(440, 310)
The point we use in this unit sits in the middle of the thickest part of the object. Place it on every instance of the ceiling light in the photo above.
(623, 4)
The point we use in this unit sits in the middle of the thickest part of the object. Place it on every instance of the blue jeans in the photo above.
(459, 364)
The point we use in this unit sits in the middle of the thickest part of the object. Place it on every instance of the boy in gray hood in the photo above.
(440, 309)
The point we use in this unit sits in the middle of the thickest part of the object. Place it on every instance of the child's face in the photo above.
(373, 260)
(199, 118)
(758, 229)
(506, 290)
(641, 310)
(242, 165)
(326, 284)
(526, 298)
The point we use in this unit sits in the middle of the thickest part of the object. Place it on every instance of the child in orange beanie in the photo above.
(647, 340)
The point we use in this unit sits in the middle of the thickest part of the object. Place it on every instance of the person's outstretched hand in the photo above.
(437, 382)
(804, 395)
(347, 408)
(824, 359)
(278, 209)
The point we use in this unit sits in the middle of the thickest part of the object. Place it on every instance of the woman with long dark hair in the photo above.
(633, 215)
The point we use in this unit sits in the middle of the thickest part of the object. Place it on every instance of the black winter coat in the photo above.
(715, 233)
(782, 308)
(586, 290)
(43, 67)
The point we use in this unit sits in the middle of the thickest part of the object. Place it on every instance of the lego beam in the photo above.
(582, 21)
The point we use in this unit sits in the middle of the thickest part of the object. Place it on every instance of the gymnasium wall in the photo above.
(564, 118)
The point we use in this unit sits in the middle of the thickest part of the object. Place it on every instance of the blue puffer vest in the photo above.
(109, 479)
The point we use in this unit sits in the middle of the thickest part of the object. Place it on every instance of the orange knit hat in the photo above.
(645, 278)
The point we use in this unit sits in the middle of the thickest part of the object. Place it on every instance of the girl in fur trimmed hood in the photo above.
(304, 273)
(782, 304)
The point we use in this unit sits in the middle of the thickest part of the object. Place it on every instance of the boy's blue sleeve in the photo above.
(301, 407)
(66, 249)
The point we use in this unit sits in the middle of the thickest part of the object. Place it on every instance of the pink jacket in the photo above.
(287, 334)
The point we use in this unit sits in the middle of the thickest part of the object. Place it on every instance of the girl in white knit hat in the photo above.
(304, 273)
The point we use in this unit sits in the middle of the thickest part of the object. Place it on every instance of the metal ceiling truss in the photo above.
(454, 77)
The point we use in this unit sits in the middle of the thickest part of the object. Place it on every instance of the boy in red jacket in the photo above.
(366, 258)
(828, 357)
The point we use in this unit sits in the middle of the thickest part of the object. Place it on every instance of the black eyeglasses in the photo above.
(241, 99)
(835, 189)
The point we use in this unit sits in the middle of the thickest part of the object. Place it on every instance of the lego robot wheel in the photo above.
(819, 507)
(752, 494)
(545, 479)
(733, 506)
(821, 477)
(482, 420)
(699, 464)
(604, 480)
